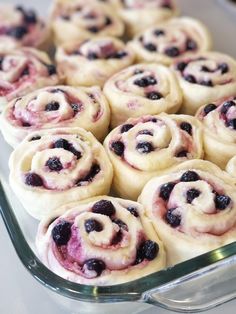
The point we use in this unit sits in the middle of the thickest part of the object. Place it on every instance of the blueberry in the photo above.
(104, 207)
(158, 32)
(187, 127)
(52, 106)
(26, 124)
(166, 190)
(93, 29)
(33, 179)
(206, 83)
(172, 52)
(226, 106)
(150, 47)
(222, 201)
(18, 32)
(117, 238)
(147, 250)
(118, 55)
(182, 153)
(144, 147)
(189, 176)
(208, 108)
(154, 95)
(191, 195)
(223, 67)
(92, 56)
(35, 138)
(204, 68)
(180, 66)
(191, 44)
(92, 225)
(137, 71)
(51, 69)
(232, 124)
(120, 223)
(126, 128)
(190, 78)
(145, 81)
(173, 219)
(30, 17)
(75, 152)
(95, 265)
(75, 107)
(133, 211)
(118, 148)
(94, 170)
(61, 233)
(62, 143)
(108, 21)
(145, 132)
(25, 71)
(54, 164)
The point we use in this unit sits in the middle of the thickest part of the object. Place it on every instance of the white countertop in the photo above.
(20, 292)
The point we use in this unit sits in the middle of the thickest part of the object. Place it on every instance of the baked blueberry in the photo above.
(154, 95)
(208, 108)
(18, 32)
(133, 211)
(181, 66)
(172, 52)
(93, 29)
(62, 143)
(232, 124)
(191, 44)
(145, 132)
(190, 78)
(118, 55)
(147, 250)
(223, 67)
(35, 138)
(158, 32)
(75, 152)
(25, 71)
(92, 56)
(95, 265)
(187, 127)
(192, 194)
(51, 69)
(173, 219)
(108, 21)
(226, 106)
(182, 153)
(104, 207)
(222, 201)
(61, 233)
(137, 71)
(33, 179)
(150, 47)
(75, 107)
(118, 148)
(92, 225)
(189, 176)
(145, 81)
(30, 17)
(26, 124)
(126, 128)
(206, 83)
(52, 106)
(166, 189)
(120, 223)
(144, 147)
(54, 164)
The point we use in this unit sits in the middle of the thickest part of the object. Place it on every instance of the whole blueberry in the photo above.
(30, 17)
(145, 132)
(191, 44)
(133, 211)
(104, 207)
(35, 138)
(118, 148)
(166, 190)
(154, 95)
(93, 29)
(222, 201)
(189, 176)
(226, 106)
(150, 47)
(62, 143)
(52, 106)
(190, 78)
(95, 265)
(145, 81)
(147, 250)
(223, 67)
(144, 147)
(182, 153)
(61, 233)
(92, 56)
(51, 69)
(126, 127)
(158, 32)
(232, 124)
(192, 194)
(180, 66)
(187, 127)
(173, 219)
(18, 32)
(92, 225)
(208, 108)
(172, 52)
(206, 83)
(120, 223)
(33, 179)
(54, 164)
(118, 55)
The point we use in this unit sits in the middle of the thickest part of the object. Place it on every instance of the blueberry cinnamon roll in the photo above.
(141, 148)
(22, 71)
(165, 42)
(219, 125)
(53, 167)
(140, 14)
(92, 62)
(21, 27)
(56, 107)
(142, 89)
(100, 241)
(79, 20)
(205, 78)
(193, 208)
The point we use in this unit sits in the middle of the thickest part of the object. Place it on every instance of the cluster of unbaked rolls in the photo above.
(125, 145)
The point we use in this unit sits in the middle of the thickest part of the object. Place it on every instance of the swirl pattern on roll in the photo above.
(205, 78)
(192, 205)
(80, 20)
(165, 42)
(20, 27)
(22, 71)
(139, 14)
(142, 89)
(60, 106)
(219, 123)
(98, 58)
(53, 167)
(142, 147)
(101, 241)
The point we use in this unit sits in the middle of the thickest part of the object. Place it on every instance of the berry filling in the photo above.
(104, 207)
(92, 225)
(61, 233)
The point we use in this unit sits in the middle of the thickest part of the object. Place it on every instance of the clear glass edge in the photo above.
(138, 290)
